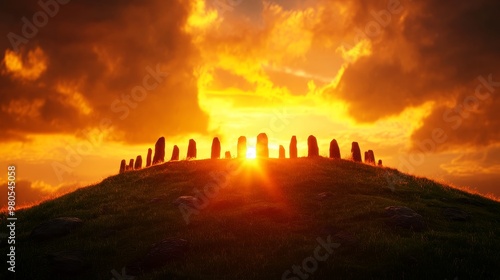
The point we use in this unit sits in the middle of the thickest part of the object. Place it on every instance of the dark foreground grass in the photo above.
(263, 218)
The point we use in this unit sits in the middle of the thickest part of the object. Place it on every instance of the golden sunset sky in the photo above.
(85, 84)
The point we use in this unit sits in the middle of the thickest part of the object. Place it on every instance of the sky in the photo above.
(84, 84)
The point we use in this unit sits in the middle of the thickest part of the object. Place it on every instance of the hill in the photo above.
(264, 219)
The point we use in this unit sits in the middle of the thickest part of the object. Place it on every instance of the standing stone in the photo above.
(356, 152)
(312, 147)
(242, 147)
(370, 157)
(191, 149)
(122, 166)
(215, 148)
(282, 152)
(293, 147)
(159, 156)
(131, 164)
(175, 153)
(380, 163)
(262, 146)
(138, 162)
(148, 159)
(334, 149)
(227, 155)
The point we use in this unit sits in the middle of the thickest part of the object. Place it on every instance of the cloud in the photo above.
(91, 55)
(426, 52)
(29, 193)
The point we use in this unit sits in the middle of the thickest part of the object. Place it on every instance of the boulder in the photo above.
(191, 153)
(312, 147)
(380, 163)
(138, 162)
(262, 149)
(356, 152)
(293, 147)
(242, 147)
(281, 152)
(55, 228)
(227, 155)
(175, 153)
(404, 217)
(215, 149)
(148, 158)
(159, 156)
(334, 149)
(123, 166)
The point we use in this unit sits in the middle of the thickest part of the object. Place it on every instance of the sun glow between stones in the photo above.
(251, 153)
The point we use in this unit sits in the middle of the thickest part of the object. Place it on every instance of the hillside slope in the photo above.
(259, 219)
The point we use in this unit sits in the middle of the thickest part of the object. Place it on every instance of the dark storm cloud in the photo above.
(102, 51)
(427, 51)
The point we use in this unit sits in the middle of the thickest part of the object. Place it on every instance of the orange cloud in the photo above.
(28, 67)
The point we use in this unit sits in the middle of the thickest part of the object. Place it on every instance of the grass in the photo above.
(266, 217)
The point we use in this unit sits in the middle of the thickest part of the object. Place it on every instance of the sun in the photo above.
(251, 153)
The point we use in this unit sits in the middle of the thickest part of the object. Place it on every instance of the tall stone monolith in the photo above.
(148, 158)
(191, 153)
(215, 149)
(334, 149)
(159, 156)
(242, 147)
(138, 162)
(262, 149)
(293, 147)
(175, 153)
(312, 147)
(281, 152)
(123, 166)
(356, 152)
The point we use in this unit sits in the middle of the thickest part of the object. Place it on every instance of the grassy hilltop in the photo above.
(264, 216)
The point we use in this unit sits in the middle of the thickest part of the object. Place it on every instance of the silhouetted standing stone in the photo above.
(242, 147)
(334, 149)
(312, 147)
(215, 148)
(282, 152)
(356, 152)
(370, 157)
(228, 155)
(148, 159)
(131, 164)
(159, 156)
(138, 162)
(122, 166)
(380, 163)
(191, 149)
(262, 146)
(175, 153)
(293, 147)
